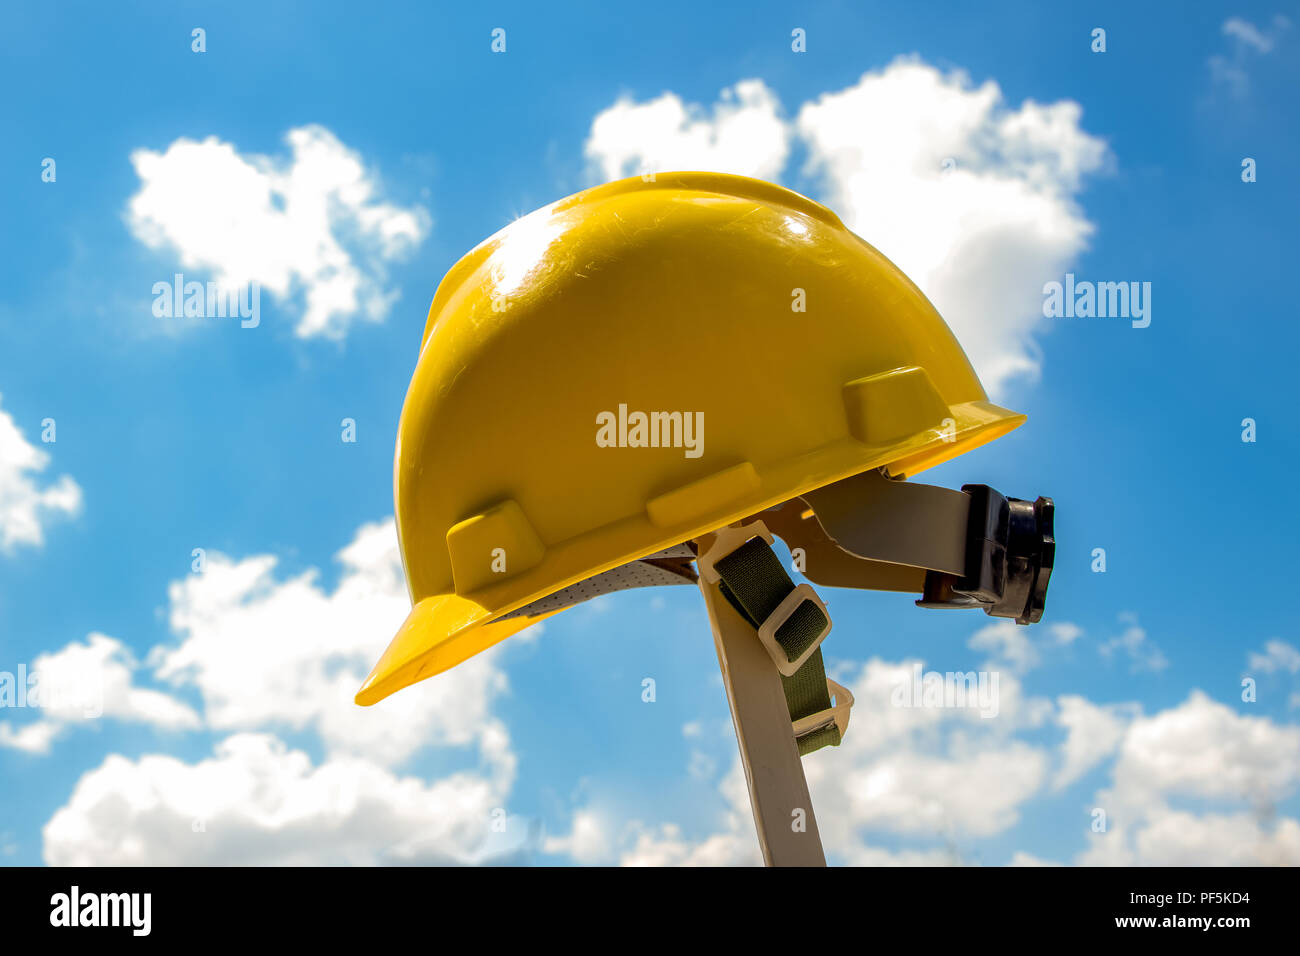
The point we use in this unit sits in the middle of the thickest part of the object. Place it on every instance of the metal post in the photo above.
(773, 768)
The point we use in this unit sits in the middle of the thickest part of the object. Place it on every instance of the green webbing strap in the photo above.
(755, 584)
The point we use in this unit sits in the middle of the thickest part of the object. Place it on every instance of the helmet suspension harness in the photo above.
(972, 548)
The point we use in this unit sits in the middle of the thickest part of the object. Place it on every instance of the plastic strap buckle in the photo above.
(767, 630)
(837, 713)
(727, 541)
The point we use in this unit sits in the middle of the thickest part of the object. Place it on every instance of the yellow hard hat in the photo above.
(638, 365)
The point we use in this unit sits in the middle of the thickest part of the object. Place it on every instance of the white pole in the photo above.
(778, 792)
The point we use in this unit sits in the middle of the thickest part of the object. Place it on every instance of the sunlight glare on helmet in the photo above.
(523, 247)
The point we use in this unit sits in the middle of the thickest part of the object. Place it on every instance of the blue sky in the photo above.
(228, 734)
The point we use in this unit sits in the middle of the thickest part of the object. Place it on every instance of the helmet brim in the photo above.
(440, 632)
(443, 630)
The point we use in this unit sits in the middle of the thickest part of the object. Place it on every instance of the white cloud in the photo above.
(26, 502)
(1229, 75)
(972, 794)
(702, 765)
(1245, 32)
(1172, 838)
(1134, 644)
(1205, 752)
(1093, 732)
(973, 200)
(897, 718)
(735, 844)
(666, 846)
(1064, 632)
(313, 224)
(1202, 748)
(105, 665)
(264, 652)
(1278, 657)
(255, 802)
(591, 838)
(861, 855)
(1229, 72)
(941, 778)
(925, 773)
(88, 681)
(35, 737)
(598, 837)
(1015, 649)
(744, 135)
(270, 654)
(1008, 645)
